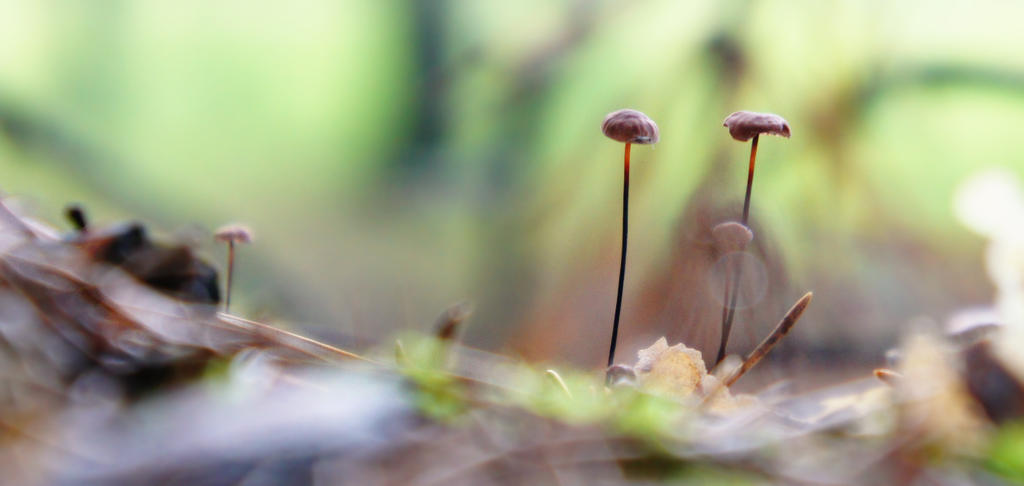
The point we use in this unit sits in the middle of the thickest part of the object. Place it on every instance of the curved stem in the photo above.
(731, 296)
(730, 309)
(622, 261)
(725, 299)
(231, 271)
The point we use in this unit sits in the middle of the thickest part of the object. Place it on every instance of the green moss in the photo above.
(1006, 452)
(437, 393)
(647, 417)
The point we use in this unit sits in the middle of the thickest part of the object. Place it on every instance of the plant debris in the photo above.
(109, 380)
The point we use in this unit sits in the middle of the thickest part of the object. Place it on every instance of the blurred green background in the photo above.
(395, 157)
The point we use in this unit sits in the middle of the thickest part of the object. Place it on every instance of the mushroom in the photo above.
(629, 127)
(743, 126)
(731, 236)
(231, 234)
(748, 125)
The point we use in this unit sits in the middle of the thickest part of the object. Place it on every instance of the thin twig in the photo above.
(271, 329)
(769, 342)
(558, 381)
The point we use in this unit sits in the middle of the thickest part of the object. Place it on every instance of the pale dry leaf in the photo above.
(934, 399)
(674, 371)
(678, 372)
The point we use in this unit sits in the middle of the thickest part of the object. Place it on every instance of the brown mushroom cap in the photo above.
(234, 232)
(732, 236)
(743, 125)
(630, 126)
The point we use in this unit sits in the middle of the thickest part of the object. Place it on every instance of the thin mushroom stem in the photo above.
(750, 178)
(727, 305)
(622, 261)
(730, 298)
(725, 300)
(231, 234)
(231, 271)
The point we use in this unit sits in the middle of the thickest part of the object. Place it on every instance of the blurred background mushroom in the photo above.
(231, 234)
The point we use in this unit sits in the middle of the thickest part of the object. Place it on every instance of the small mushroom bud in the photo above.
(745, 125)
(619, 375)
(731, 236)
(630, 126)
